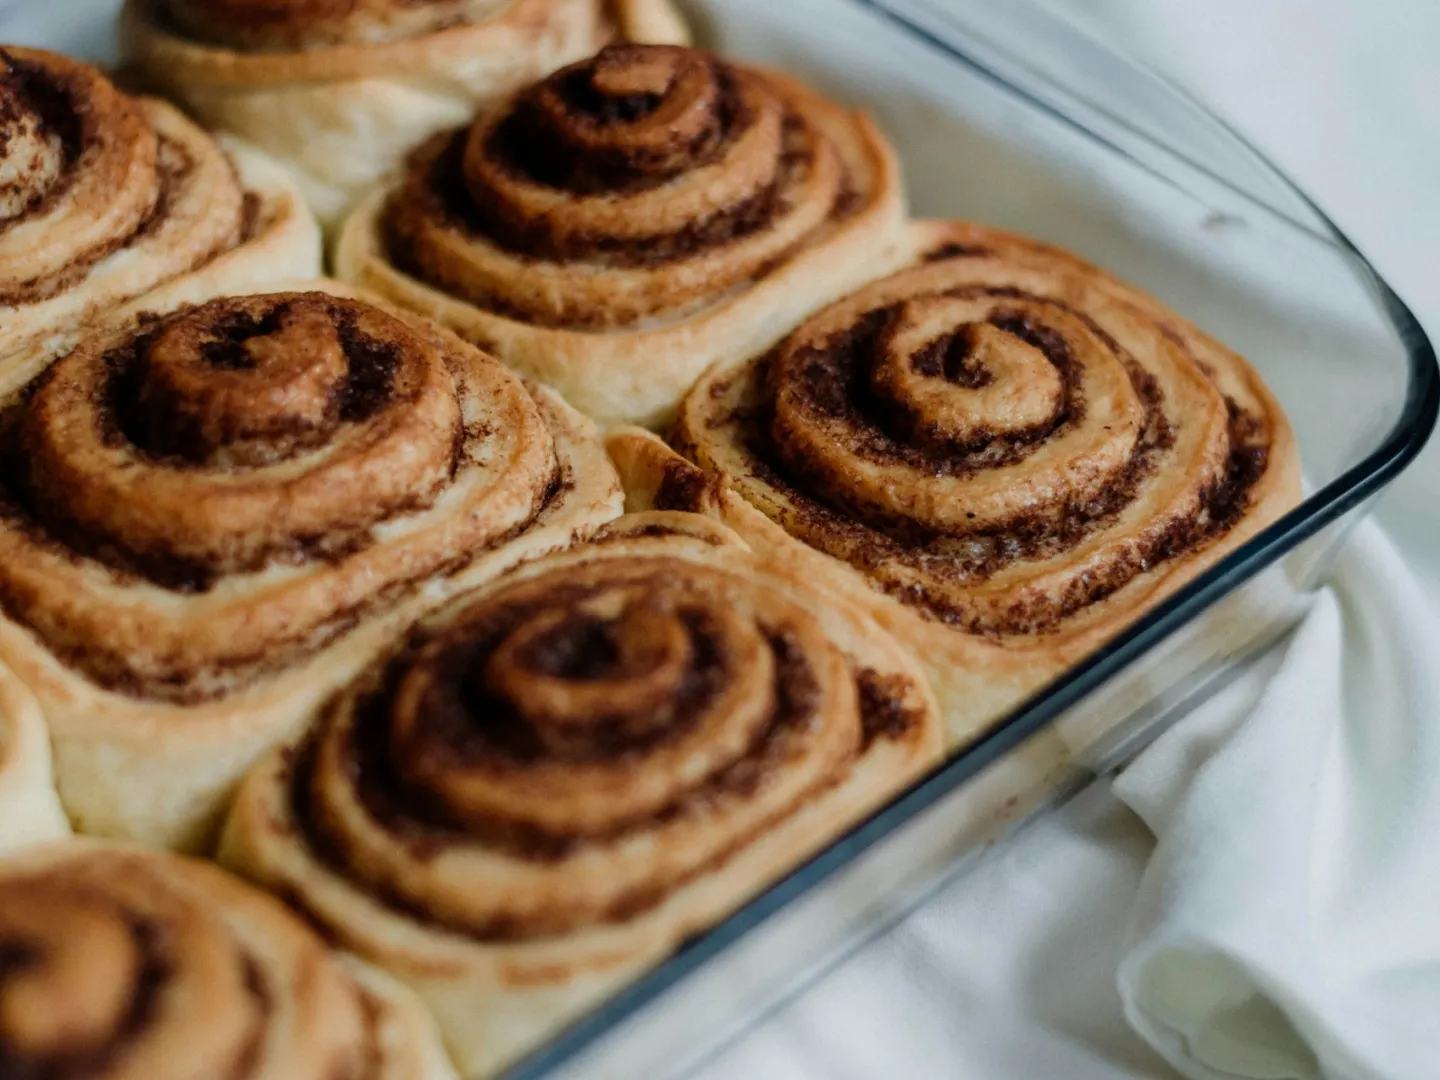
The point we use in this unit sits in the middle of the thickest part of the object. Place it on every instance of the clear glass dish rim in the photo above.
(1405, 439)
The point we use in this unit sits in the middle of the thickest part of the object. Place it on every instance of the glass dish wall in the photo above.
(1004, 114)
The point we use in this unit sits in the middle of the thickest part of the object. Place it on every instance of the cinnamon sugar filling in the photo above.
(580, 684)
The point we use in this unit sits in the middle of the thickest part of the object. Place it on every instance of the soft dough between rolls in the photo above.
(122, 964)
(564, 774)
(617, 228)
(211, 518)
(1017, 452)
(107, 199)
(29, 808)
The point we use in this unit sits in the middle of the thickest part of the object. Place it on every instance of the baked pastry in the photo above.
(210, 519)
(29, 808)
(1019, 451)
(122, 963)
(341, 89)
(565, 774)
(105, 198)
(624, 224)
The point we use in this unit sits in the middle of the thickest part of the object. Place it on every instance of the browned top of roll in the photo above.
(84, 172)
(1000, 435)
(32, 150)
(646, 181)
(569, 749)
(240, 384)
(142, 966)
(281, 25)
(79, 171)
(249, 453)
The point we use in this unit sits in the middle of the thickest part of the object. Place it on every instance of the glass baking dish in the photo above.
(1006, 114)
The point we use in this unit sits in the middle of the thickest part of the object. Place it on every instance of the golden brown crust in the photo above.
(201, 508)
(197, 499)
(105, 198)
(123, 963)
(620, 226)
(267, 26)
(84, 172)
(340, 89)
(560, 777)
(1022, 452)
(643, 183)
(151, 45)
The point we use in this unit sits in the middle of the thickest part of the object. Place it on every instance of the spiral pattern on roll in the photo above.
(217, 492)
(1000, 436)
(123, 964)
(106, 199)
(79, 172)
(83, 169)
(572, 746)
(580, 745)
(646, 182)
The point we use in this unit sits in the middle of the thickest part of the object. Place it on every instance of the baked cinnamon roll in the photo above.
(105, 198)
(341, 89)
(210, 519)
(559, 778)
(1018, 451)
(29, 808)
(119, 963)
(619, 227)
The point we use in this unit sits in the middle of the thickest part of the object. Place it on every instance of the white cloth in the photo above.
(1286, 926)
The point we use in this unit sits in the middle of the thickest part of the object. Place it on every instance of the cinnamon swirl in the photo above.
(105, 198)
(29, 809)
(619, 227)
(1023, 451)
(119, 963)
(210, 519)
(561, 777)
(341, 89)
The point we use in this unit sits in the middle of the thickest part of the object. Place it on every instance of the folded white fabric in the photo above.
(1288, 924)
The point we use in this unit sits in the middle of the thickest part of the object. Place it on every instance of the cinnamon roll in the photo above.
(210, 519)
(120, 963)
(619, 227)
(105, 198)
(29, 808)
(555, 781)
(1019, 451)
(341, 89)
